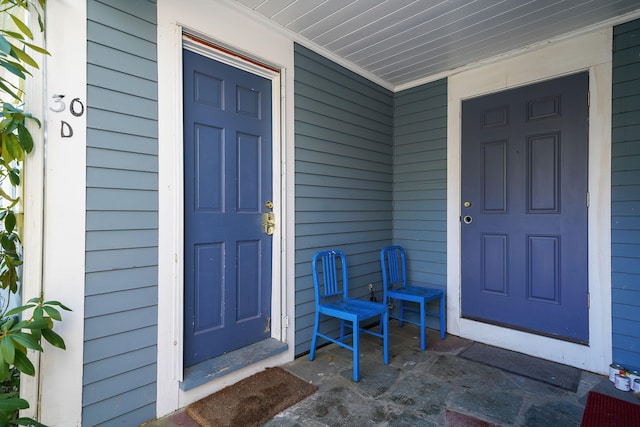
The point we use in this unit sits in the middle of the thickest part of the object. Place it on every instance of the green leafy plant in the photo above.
(16, 338)
(22, 328)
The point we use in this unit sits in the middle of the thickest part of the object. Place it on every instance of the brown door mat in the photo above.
(252, 401)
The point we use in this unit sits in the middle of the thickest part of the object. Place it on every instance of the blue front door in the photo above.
(227, 188)
(524, 208)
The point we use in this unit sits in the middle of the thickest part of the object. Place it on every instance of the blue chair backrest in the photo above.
(330, 274)
(394, 267)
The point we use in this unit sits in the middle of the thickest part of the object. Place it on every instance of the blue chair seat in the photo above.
(394, 278)
(415, 293)
(351, 307)
(330, 283)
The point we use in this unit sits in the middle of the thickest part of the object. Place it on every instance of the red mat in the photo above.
(606, 411)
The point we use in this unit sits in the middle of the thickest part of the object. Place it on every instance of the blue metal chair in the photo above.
(330, 282)
(394, 278)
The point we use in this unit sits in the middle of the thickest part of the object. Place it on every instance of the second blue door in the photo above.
(524, 208)
(227, 188)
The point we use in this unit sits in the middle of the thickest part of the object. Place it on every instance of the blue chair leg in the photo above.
(385, 338)
(443, 322)
(423, 321)
(312, 352)
(356, 351)
(400, 322)
(342, 331)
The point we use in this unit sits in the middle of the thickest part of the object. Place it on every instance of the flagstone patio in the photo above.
(435, 387)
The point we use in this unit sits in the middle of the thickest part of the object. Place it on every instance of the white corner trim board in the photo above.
(64, 209)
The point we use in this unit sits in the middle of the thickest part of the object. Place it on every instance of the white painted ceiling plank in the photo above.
(485, 38)
(569, 23)
(321, 13)
(327, 25)
(425, 36)
(295, 10)
(251, 4)
(416, 27)
(367, 16)
(396, 26)
(447, 38)
(400, 41)
(478, 50)
(270, 7)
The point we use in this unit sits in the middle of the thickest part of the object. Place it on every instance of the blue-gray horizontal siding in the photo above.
(121, 278)
(625, 196)
(420, 183)
(343, 174)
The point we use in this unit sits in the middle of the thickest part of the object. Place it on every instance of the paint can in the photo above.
(622, 382)
(633, 375)
(636, 385)
(614, 369)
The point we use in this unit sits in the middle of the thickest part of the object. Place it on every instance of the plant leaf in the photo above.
(5, 46)
(24, 57)
(5, 196)
(21, 26)
(38, 312)
(12, 404)
(7, 350)
(10, 222)
(12, 67)
(30, 117)
(18, 310)
(37, 48)
(14, 178)
(53, 338)
(26, 340)
(4, 370)
(8, 90)
(23, 364)
(13, 34)
(13, 147)
(8, 323)
(24, 138)
(34, 324)
(29, 422)
(7, 244)
(53, 313)
(58, 303)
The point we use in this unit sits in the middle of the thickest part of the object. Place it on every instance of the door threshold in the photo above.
(527, 330)
(227, 363)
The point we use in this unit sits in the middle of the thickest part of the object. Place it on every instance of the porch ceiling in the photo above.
(398, 43)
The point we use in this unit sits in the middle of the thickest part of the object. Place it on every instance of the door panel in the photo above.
(524, 234)
(227, 182)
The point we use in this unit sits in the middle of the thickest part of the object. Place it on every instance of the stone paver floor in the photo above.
(424, 388)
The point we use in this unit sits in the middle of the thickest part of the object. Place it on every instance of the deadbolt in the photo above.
(467, 204)
(268, 204)
(268, 223)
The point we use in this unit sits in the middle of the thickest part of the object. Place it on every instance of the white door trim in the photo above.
(171, 222)
(269, 73)
(590, 52)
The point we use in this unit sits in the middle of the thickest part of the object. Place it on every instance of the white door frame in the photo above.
(171, 217)
(590, 52)
(196, 44)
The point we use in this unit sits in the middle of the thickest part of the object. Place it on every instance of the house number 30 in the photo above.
(76, 108)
